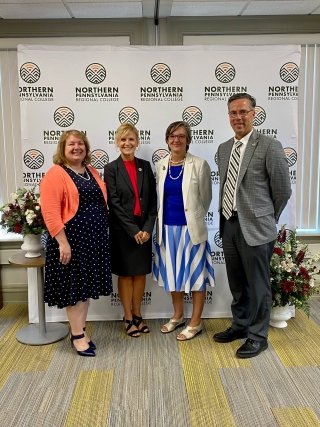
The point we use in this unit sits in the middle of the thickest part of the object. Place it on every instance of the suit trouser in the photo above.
(248, 271)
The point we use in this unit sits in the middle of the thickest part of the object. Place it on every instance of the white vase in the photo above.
(32, 245)
(279, 315)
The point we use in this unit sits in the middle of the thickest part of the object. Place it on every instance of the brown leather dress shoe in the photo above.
(229, 335)
(251, 348)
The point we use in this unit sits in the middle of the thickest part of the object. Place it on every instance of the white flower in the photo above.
(37, 208)
(30, 215)
(14, 196)
(6, 209)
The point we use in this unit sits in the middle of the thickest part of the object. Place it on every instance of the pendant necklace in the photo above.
(176, 163)
(85, 174)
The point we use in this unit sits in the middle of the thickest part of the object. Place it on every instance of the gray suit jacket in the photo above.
(263, 188)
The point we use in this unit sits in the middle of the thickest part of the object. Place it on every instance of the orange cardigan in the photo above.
(59, 197)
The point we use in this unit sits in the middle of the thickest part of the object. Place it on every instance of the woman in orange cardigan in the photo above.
(73, 203)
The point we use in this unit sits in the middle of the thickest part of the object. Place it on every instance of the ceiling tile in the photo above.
(207, 8)
(33, 11)
(281, 7)
(106, 10)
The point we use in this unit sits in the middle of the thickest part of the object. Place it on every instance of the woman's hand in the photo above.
(65, 253)
(142, 237)
(138, 237)
(145, 236)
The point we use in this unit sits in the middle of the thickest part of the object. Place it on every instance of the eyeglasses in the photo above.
(241, 113)
(181, 137)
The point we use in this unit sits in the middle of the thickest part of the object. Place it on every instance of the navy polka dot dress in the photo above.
(88, 275)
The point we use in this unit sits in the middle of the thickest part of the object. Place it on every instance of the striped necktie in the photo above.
(230, 186)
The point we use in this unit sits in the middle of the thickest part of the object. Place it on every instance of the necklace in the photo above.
(85, 174)
(176, 163)
(181, 171)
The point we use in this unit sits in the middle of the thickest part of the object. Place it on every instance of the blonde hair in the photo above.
(124, 129)
(59, 157)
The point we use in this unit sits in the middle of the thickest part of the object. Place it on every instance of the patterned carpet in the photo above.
(155, 381)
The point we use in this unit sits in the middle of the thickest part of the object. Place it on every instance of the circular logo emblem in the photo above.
(99, 158)
(192, 115)
(30, 72)
(95, 73)
(160, 73)
(260, 116)
(291, 156)
(129, 115)
(33, 159)
(159, 154)
(225, 72)
(216, 158)
(154, 239)
(63, 116)
(289, 72)
(217, 240)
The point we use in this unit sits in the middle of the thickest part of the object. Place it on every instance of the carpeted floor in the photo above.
(155, 381)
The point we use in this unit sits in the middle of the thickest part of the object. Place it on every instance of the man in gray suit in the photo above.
(254, 189)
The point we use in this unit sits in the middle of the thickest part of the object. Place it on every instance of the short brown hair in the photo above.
(59, 157)
(175, 125)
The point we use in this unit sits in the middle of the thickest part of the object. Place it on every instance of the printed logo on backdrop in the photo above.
(53, 136)
(160, 73)
(292, 157)
(215, 177)
(96, 74)
(217, 254)
(211, 218)
(99, 158)
(115, 299)
(193, 116)
(289, 73)
(260, 116)
(33, 159)
(30, 73)
(224, 73)
(63, 116)
(129, 115)
(159, 154)
(187, 298)
(259, 119)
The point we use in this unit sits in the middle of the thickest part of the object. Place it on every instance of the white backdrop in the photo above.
(95, 88)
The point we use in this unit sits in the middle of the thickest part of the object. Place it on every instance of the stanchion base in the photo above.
(32, 335)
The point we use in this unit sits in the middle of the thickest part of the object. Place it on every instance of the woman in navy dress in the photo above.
(73, 203)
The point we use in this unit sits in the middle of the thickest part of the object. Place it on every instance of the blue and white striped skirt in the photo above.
(181, 266)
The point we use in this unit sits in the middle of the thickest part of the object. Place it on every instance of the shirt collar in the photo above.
(244, 139)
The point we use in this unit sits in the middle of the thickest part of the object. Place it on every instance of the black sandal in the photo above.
(137, 322)
(133, 334)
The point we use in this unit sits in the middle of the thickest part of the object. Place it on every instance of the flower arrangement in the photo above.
(292, 272)
(23, 214)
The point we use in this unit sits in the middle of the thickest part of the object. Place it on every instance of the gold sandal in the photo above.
(172, 325)
(190, 332)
